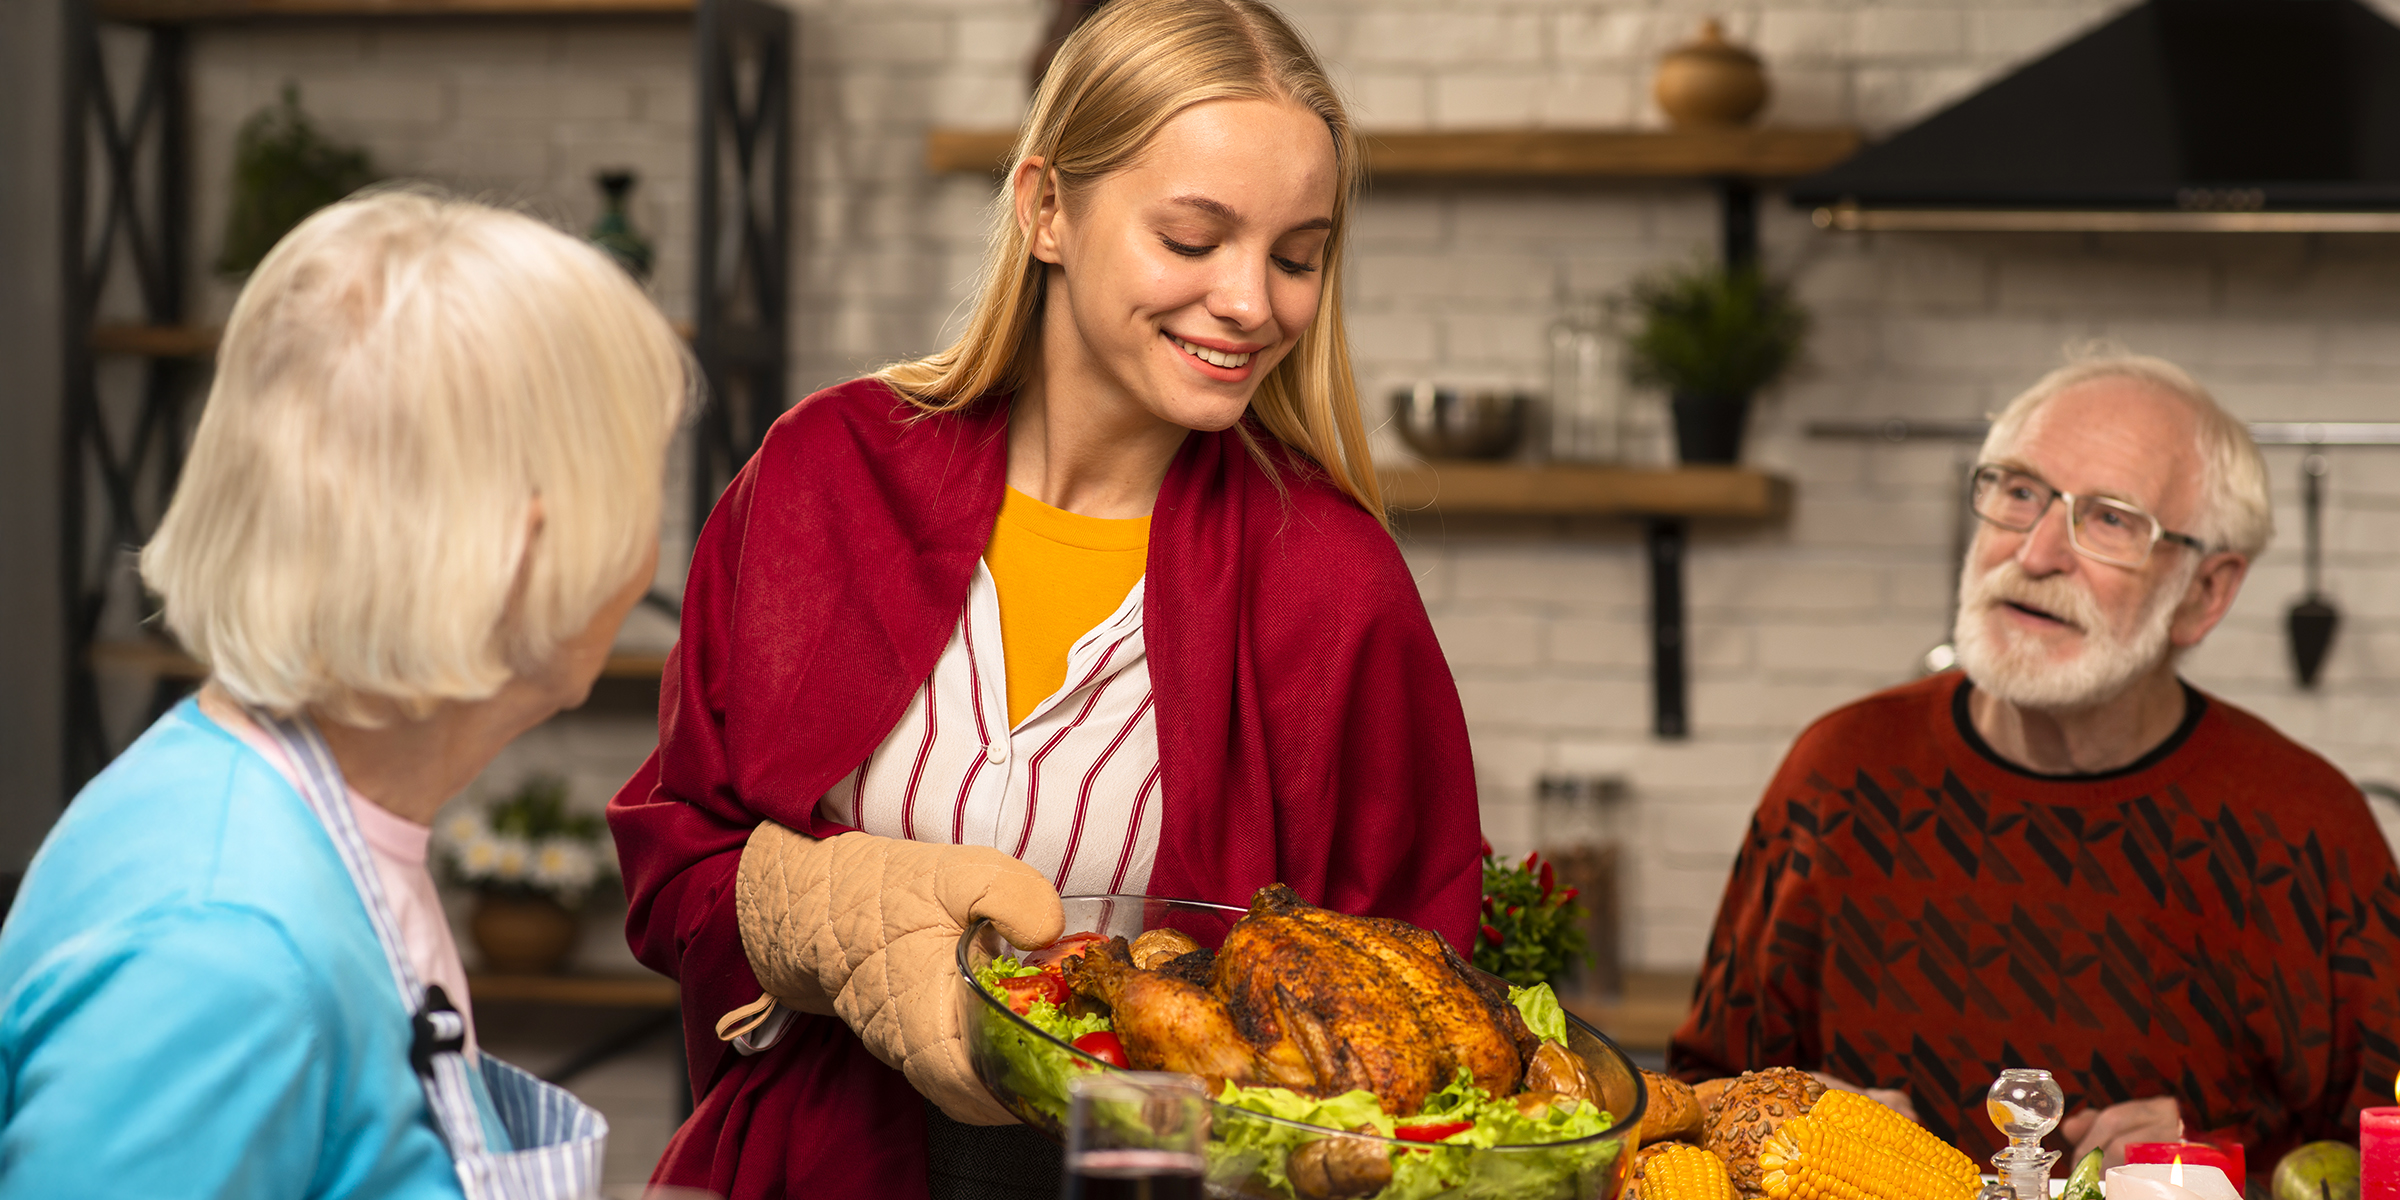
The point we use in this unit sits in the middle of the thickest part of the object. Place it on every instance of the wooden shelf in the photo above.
(152, 657)
(179, 12)
(1769, 153)
(588, 991)
(1499, 489)
(198, 341)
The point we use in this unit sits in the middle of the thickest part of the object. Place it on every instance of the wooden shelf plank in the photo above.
(198, 341)
(177, 12)
(590, 991)
(1498, 489)
(1768, 153)
(151, 657)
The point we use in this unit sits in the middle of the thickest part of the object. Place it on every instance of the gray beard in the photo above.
(2014, 669)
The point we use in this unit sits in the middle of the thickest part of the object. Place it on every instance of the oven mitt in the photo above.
(866, 928)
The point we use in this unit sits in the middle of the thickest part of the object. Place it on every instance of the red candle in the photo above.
(2379, 1154)
(2224, 1156)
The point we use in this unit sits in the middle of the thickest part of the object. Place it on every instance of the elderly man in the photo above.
(2066, 857)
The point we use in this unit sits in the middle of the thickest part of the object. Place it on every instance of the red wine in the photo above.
(1133, 1175)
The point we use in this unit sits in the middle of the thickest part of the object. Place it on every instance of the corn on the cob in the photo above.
(1681, 1172)
(1806, 1160)
(1907, 1139)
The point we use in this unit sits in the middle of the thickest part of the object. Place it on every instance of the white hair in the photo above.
(407, 380)
(2235, 511)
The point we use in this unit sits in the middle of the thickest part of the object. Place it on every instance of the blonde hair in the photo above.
(402, 379)
(2236, 512)
(1120, 77)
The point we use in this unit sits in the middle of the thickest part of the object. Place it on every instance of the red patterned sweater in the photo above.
(2219, 922)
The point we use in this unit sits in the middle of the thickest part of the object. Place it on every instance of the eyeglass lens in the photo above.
(2104, 528)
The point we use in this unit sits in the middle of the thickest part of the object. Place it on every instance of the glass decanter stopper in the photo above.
(2025, 1104)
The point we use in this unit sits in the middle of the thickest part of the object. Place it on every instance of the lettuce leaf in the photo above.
(1037, 1070)
(1542, 1014)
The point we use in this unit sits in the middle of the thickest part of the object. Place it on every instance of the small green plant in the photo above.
(1709, 330)
(283, 170)
(527, 845)
(1532, 928)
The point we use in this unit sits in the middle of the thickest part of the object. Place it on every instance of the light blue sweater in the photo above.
(192, 1001)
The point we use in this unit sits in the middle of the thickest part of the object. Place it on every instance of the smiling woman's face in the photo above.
(1180, 281)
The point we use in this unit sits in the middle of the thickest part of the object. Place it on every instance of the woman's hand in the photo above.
(866, 928)
(2153, 1119)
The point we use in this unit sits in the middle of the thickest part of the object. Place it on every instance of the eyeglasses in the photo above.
(2110, 531)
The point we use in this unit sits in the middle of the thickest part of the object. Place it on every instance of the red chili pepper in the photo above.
(1023, 990)
(1431, 1133)
(1487, 847)
(1569, 897)
(1549, 878)
(1104, 1046)
(1531, 857)
(1514, 909)
(1491, 935)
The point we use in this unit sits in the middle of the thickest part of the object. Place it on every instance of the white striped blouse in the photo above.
(1073, 791)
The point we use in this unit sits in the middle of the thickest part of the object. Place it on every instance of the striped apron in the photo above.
(558, 1138)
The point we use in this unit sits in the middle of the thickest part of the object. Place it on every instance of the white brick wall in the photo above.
(1544, 623)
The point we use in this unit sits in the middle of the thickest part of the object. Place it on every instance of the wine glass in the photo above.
(1135, 1135)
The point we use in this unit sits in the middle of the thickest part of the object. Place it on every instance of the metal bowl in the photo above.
(1443, 423)
(1026, 1070)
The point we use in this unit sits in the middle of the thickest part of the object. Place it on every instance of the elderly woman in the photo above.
(423, 495)
(1098, 599)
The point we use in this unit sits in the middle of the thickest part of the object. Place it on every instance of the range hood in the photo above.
(2199, 115)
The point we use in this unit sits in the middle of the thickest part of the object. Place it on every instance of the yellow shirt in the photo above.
(1059, 574)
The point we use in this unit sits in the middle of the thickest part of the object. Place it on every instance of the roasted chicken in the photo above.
(1318, 1002)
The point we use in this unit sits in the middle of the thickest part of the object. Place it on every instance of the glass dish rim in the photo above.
(1628, 1121)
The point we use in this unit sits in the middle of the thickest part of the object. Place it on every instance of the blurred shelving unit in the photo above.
(125, 180)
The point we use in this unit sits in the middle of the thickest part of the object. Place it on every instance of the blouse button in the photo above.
(997, 751)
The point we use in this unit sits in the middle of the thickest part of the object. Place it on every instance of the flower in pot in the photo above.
(1532, 929)
(1712, 336)
(531, 863)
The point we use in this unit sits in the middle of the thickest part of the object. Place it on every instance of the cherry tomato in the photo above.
(1023, 990)
(1053, 957)
(1431, 1133)
(1104, 1046)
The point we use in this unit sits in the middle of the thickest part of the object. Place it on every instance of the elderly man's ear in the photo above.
(2208, 598)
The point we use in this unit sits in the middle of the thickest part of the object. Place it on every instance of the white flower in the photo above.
(565, 864)
(464, 827)
(478, 857)
(513, 859)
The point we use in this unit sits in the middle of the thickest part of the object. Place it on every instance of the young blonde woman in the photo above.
(423, 495)
(1097, 600)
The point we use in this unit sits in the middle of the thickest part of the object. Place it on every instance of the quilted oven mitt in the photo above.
(866, 928)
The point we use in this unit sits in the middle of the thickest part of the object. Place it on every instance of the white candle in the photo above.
(2169, 1181)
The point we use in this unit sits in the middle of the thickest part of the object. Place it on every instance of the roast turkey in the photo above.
(1318, 1002)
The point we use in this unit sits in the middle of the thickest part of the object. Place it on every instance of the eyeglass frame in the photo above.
(2158, 529)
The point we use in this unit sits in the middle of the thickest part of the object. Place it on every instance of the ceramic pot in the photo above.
(1710, 82)
(1708, 429)
(523, 935)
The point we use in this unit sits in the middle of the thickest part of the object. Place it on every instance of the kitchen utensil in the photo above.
(1443, 423)
(2314, 619)
(1028, 1071)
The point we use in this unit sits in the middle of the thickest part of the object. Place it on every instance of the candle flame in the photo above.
(2175, 1170)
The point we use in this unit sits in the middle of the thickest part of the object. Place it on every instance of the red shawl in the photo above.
(1303, 705)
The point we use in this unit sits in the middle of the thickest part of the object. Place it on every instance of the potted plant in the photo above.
(1712, 336)
(531, 863)
(1532, 929)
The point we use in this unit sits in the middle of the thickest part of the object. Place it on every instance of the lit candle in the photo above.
(2379, 1154)
(2169, 1181)
(2224, 1156)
